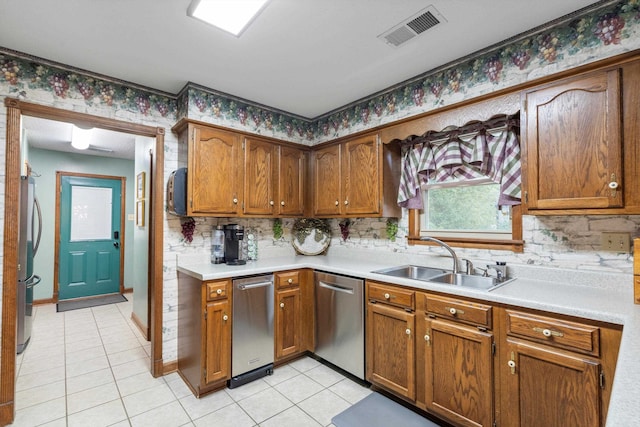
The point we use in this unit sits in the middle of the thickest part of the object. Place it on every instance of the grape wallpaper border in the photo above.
(605, 29)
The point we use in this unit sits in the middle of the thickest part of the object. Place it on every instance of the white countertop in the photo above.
(606, 297)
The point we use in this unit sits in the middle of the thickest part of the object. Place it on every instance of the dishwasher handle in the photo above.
(336, 287)
(254, 285)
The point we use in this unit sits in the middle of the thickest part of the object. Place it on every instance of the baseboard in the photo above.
(144, 330)
(44, 301)
(170, 367)
(127, 291)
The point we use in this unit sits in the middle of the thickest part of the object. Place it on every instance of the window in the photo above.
(465, 209)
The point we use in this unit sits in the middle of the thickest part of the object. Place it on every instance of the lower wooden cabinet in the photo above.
(218, 342)
(293, 313)
(390, 342)
(204, 333)
(549, 387)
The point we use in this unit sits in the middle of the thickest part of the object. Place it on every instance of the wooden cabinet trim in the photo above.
(472, 313)
(391, 295)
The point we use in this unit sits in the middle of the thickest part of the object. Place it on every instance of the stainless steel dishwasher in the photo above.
(340, 321)
(252, 329)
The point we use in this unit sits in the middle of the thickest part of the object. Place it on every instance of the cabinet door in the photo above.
(391, 349)
(214, 172)
(459, 373)
(291, 181)
(287, 319)
(327, 180)
(546, 387)
(574, 144)
(217, 342)
(260, 166)
(362, 180)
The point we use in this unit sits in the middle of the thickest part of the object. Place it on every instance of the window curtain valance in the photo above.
(488, 149)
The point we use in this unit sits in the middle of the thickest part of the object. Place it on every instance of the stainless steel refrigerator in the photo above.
(28, 241)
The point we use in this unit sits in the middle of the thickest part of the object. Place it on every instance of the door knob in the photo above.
(116, 245)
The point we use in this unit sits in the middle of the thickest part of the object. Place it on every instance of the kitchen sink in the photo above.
(438, 275)
(412, 272)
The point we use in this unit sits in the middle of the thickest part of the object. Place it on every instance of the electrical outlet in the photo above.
(616, 242)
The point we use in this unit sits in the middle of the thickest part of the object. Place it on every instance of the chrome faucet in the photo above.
(447, 247)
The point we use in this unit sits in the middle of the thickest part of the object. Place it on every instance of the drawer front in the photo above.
(463, 311)
(554, 332)
(392, 295)
(217, 290)
(285, 280)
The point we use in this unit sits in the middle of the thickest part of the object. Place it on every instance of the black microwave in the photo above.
(177, 192)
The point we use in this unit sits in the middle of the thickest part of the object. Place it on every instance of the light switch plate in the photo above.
(616, 242)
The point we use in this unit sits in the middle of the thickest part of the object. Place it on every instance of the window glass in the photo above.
(465, 209)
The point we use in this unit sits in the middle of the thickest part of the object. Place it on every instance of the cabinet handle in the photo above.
(548, 332)
(290, 281)
(271, 203)
(387, 296)
(281, 305)
(407, 331)
(219, 292)
(282, 203)
(235, 201)
(613, 185)
(225, 317)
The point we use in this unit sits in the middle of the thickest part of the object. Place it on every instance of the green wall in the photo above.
(44, 164)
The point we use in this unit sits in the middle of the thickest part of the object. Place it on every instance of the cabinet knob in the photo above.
(271, 203)
(453, 311)
(407, 331)
(235, 201)
(225, 317)
(427, 338)
(387, 296)
(346, 202)
(613, 185)
(219, 292)
(512, 365)
(282, 203)
(290, 281)
(337, 203)
(281, 305)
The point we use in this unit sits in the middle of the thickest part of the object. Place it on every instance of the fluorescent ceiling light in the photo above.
(232, 16)
(81, 138)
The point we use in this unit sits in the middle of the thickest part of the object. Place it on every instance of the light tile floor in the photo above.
(90, 367)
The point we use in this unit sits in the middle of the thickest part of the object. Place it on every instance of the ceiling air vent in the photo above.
(412, 27)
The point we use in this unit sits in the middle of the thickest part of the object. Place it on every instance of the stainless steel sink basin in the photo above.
(412, 272)
(469, 281)
(438, 275)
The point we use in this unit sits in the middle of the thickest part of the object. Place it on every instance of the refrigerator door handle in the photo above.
(35, 279)
(37, 243)
(336, 288)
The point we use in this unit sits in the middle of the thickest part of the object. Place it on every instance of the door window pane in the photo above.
(90, 213)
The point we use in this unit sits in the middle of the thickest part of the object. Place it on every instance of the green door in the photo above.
(90, 234)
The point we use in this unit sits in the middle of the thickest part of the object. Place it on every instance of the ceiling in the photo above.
(303, 57)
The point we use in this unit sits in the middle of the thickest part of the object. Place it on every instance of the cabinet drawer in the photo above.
(287, 279)
(217, 290)
(463, 311)
(392, 295)
(554, 332)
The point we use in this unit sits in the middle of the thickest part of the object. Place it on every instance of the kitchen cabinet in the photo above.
(214, 169)
(356, 177)
(573, 143)
(274, 179)
(204, 333)
(293, 318)
(390, 339)
(555, 371)
(455, 360)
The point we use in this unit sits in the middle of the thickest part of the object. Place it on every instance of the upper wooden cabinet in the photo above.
(230, 174)
(574, 143)
(214, 170)
(358, 177)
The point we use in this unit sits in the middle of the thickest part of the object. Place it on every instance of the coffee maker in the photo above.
(233, 236)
